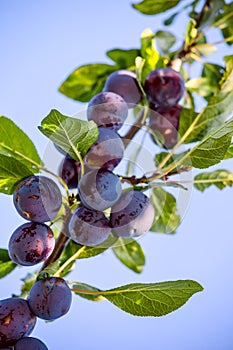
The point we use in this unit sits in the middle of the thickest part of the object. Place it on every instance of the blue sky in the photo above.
(41, 43)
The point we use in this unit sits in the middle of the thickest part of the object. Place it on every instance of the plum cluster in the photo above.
(103, 205)
(99, 189)
(49, 299)
(130, 214)
(38, 200)
(164, 87)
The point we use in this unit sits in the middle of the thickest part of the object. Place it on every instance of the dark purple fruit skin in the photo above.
(107, 151)
(124, 83)
(16, 320)
(31, 243)
(165, 120)
(30, 343)
(132, 215)
(50, 298)
(37, 198)
(164, 87)
(70, 171)
(99, 189)
(108, 110)
(88, 227)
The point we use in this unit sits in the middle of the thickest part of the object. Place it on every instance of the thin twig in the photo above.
(61, 241)
(134, 128)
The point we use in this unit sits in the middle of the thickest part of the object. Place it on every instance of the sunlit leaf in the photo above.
(151, 7)
(69, 133)
(123, 58)
(12, 171)
(130, 253)
(166, 218)
(14, 142)
(86, 81)
(220, 178)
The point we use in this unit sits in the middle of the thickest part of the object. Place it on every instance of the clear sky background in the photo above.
(41, 43)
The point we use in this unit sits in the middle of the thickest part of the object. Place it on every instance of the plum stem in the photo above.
(69, 261)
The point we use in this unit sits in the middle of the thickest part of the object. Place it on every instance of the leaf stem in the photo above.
(69, 261)
(39, 166)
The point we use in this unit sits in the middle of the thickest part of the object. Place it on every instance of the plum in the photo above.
(16, 320)
(31, 243)
(124, 83)
(132, 215)
(107, 151)
(37, 198)
(70, 171)
(99, 189)
(50, 298)
(165, 120)
(88, 227)
(30, 343)
(108, 110)
(164, 87)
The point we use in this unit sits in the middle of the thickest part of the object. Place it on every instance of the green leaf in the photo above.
(86, 81)
(170, 19)
(212, 149)
(201, 86)
(224, 22)
(11, 172)
(172, 160)
(14, 142)
(6, 264)
(148, 52)
(74, 251)
(213, 72)
(76, 286)
(165, 39)
(190, 34)
(209, 83)
(229, 152)
(152, 7)
(50, 270)
(210, 12)
(4, 256)
(71, 134)
(204, 49)
(130, 253)
(219, 178)
(28, 282)
(144, 299)
(227, 79)
(220, 106)
(139, 64)
(89, 252)
(6, 268)
(166, 218)
(152, 299)
(123, 58)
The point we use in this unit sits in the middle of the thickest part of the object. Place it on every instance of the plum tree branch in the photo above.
(134, 181)
(135, 127)
(183, 52)
(61, 241)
